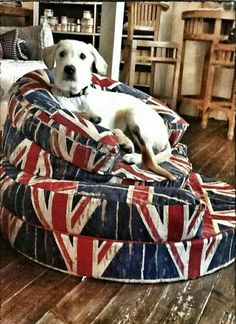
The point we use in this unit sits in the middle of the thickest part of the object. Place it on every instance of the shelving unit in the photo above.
(72, 10)
(210, 27)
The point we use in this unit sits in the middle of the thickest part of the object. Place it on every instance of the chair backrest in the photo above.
(145, 16)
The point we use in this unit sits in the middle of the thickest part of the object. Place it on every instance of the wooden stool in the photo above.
(211, 27)
(223, 56)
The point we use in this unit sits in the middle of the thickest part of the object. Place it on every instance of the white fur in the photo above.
(103, 103)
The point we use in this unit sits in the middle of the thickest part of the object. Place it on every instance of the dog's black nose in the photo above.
(69, 69)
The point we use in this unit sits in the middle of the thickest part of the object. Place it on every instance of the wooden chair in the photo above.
(156, 52)
(223, 56)
(144, 18)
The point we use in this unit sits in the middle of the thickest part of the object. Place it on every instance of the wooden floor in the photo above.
(31, 293)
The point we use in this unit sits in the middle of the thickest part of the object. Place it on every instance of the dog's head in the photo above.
(73, 60)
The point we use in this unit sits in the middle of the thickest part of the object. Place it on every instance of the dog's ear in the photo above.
(99, 61)
(49, 56)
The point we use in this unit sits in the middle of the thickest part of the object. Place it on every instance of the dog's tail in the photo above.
(147, 160)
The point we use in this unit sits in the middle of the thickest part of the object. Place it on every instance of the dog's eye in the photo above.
(62, 54)
(82, 56)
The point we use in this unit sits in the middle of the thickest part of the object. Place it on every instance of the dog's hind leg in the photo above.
(147, 156)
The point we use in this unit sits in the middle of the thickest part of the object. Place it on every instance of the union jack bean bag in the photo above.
(69, 202)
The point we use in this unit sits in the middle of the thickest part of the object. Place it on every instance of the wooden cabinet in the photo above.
(74, 11)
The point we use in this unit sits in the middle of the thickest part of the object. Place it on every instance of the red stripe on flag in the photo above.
(84, 256)
(140, 195)
(175, 222)
(210, 246)
(32, 158)
(99, 165)
(80, 210)
(177, 257)
(24, 178)
(64, 252)
(104, 249)
(200, 209)
(81, 156)
(38, 211)
(71, 125)
(151, 227)
(59, 211)
(19, 156)
(196, 185)
(195, 255)
(44, 118)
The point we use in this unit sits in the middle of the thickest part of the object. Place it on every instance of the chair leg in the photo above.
(131, 78)
(231, 117)
(175, 85)
(126, 67)
(205, 117)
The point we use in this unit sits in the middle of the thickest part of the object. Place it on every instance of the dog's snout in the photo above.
(69, 69)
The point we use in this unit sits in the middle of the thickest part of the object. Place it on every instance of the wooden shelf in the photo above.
(74, 10)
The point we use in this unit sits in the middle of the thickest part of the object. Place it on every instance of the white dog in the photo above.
(115, 111)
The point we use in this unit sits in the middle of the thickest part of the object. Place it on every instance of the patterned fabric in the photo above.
(8, 42)
(74, 207)
(132, 261)
(69, 202)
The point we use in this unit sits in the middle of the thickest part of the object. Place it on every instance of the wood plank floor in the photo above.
(31, 293)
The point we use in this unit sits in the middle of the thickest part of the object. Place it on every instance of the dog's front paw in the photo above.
(95, 119)
(133, 158)
(125, 143)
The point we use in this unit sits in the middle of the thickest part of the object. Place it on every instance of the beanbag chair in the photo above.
(69, 201)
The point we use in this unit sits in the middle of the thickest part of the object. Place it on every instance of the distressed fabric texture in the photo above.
(69, 202)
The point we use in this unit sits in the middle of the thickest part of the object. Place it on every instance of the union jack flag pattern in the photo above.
(69, 202)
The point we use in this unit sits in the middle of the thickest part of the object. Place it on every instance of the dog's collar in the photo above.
(79, 94)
